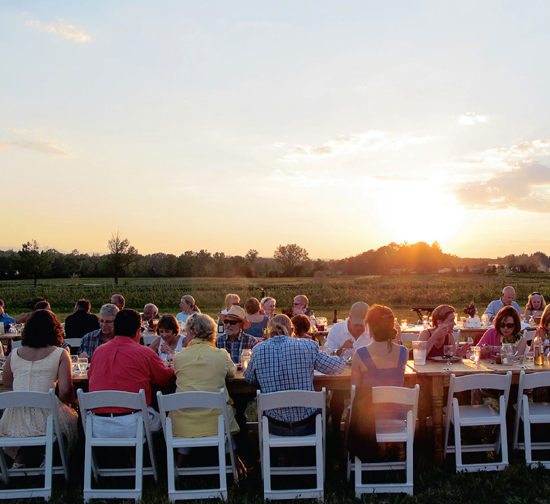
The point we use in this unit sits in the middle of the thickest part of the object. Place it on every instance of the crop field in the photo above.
(325, 293)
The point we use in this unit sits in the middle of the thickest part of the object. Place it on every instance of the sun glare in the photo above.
(412, 215)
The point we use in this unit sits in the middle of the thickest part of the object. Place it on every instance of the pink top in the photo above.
(123, 364)
(491, 337)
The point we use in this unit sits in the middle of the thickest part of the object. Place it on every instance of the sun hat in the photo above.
(237, 312)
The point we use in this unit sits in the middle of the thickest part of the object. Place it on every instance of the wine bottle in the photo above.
(335, 319)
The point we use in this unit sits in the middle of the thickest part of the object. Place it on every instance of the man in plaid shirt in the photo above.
(285, 363)
(234, 340)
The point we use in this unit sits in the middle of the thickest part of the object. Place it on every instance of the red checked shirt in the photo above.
(123, 364)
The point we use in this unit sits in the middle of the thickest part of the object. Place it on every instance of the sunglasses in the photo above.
(509, 326)
(231, 322)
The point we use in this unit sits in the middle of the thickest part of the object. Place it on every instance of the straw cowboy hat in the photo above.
(235, 312)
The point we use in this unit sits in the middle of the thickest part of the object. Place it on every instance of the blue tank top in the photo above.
(375, 377)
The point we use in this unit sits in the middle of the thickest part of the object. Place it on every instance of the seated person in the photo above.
(535, 306)
(258, 322)
(123, 364)
(268, 306)
(81, 321)
(507, 330)
(201, 366)
(443, 321)
(301, 325)
(230, 300)
(507, 299)
(105, 333)
(118, 300)
(38, 365)
(381, 363)
(188, 307)
(170, 340)
(300, 305)
(4, 319)
(22, 319)
(150, 313)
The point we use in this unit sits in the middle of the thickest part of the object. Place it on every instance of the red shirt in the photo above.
(123, 364)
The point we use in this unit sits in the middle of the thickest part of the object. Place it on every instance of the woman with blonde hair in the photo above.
(202, 366)
(188, 307)
(268, 306)
(535, 306)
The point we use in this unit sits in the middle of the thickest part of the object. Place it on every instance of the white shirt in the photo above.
(339, 334)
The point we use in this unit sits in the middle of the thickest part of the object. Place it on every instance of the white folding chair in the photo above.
(390, 431)
(196, 399)
(16, 344)
(477, 415)
(531, 413)
(147, 340)
(73, 342)
(409, 336)
(109, 399)
(292, 398)
(53, 433)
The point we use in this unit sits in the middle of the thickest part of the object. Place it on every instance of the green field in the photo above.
(325, 293)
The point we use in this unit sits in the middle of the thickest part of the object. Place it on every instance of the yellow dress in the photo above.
(205, 368)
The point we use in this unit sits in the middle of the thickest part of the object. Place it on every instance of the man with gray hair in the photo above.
(348, 335)
(105, 333)
(150, 312)
(507, 299)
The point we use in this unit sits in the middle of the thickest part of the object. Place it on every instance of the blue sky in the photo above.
(340, 126)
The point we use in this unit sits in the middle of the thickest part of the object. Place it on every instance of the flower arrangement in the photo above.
(471, 310)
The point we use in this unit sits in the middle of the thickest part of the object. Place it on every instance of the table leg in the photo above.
(437, 416)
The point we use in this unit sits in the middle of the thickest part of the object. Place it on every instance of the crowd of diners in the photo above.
(192, 351)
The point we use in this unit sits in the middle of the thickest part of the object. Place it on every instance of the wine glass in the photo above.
(448, 352)
(74, 362)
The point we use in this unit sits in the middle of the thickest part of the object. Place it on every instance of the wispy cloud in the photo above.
(470, 119)
(400, 178)
(527, 188)
(60, 28)
(34, 143)
(348, 144)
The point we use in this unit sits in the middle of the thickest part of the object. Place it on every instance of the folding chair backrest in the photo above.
(397, 395)
(532, 381)
(291, 398)
(147, 340)
(113, 399)
(25, 398)
(16, 344)
(194, 399)
(482, 380)
(529, 335)
(73, 342)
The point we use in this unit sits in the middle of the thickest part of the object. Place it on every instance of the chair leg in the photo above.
(139, 460)
(170, 464)
(358, 477)
(319, 460)
(221, 457)
(88, 462)
(49, 458)
(527, 433)
(458, 441)
(5, 475)
(266, 460)
(516, 425)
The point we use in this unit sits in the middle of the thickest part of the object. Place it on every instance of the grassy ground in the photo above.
(326, 294)
(433, 483)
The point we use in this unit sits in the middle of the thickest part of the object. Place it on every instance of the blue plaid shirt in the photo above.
(283, 363)
(242, 342)
(90, 342)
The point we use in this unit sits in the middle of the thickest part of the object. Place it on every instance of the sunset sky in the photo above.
(229, 125)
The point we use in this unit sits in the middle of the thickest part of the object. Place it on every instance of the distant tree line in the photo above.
(123, 260)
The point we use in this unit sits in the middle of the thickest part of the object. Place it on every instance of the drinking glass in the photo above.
(74, 362)
(246, 354)
(419, 352)
(82, 364)
(477, 354)
(347, 355)
(404, 324)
